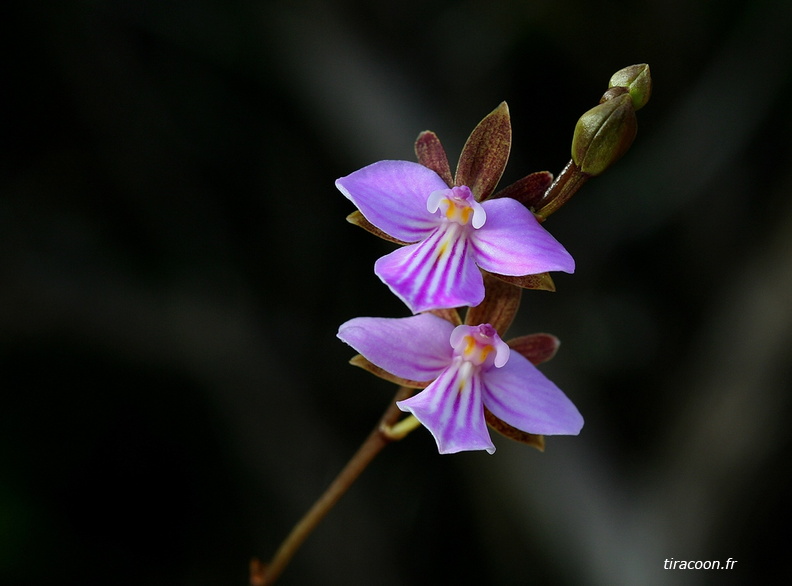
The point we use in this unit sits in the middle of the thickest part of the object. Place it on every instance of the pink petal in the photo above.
(513, 242)
(437, 273)
(392, 195)
(414, 348)
(519, 394)
(451, 409)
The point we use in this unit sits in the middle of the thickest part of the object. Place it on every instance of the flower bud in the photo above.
(604, 133)
(638, 82)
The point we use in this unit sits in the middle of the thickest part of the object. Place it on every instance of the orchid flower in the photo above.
(451, 229)
(469, 371)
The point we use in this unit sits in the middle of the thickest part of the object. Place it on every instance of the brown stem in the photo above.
(565, 186)
(266, 574)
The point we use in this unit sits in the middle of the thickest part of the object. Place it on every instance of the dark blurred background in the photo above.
(174, 264)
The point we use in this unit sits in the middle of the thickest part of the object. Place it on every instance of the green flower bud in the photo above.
(637, 80)
(604, 133)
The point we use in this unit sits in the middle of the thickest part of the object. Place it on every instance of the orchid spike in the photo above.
(450, 235)
(470, 369)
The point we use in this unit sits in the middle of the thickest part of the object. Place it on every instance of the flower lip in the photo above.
(457, 204)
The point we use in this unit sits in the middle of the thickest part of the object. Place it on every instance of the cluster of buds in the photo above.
(602, 135)
(467, 252)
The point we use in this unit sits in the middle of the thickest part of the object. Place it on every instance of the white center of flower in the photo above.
(479, 347)
(457, 205)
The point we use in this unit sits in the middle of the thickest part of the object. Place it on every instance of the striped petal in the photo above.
(513, 242)
(415, 348)
(392, 195)
(451, 409)
(519, 394)
(438, 273)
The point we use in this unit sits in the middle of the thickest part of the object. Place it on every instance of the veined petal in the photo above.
(415, 348)
(392, 196)
(451, 409)
(513, 242)
(519, 394)
(434, 274)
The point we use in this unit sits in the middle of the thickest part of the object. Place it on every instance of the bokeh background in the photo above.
(174, 264)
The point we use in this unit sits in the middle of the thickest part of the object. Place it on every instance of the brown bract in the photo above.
(364, 363)
(528, 190)
(486, 151)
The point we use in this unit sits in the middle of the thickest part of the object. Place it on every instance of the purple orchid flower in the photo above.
(454, 225)
(453, 235)
(471, 369)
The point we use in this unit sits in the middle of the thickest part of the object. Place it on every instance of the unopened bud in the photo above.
(604, 133)
(637, 80)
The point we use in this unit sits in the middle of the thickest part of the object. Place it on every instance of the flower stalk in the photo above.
(384, 433)
(567, 184)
